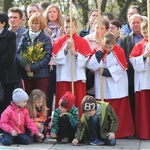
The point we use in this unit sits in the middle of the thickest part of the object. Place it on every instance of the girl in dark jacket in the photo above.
(34, 70)
(8, 73)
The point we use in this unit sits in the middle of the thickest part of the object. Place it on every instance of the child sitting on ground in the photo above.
(65, 119)
(99, 123)
(14, 119)
(38, 112)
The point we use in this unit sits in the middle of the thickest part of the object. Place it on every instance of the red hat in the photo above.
(67, 100)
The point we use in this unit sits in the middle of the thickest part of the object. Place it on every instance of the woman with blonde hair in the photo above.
(55, 22)
(55, 29)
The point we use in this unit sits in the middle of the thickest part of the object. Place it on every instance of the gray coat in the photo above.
(19, 33)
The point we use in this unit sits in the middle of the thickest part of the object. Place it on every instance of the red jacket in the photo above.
(14, 118)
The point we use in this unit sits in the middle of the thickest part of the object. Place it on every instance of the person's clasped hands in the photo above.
(70, 47)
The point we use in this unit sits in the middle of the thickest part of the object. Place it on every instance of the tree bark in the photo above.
(103, 5)
(6, 4)
(83, 4)
(123, 12)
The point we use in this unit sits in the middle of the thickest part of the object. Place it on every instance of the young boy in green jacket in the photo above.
(98, 123)
(65, 119)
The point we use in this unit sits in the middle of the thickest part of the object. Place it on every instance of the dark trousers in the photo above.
(8, 139)
(132, 99)
(39, 83)
(94, 127)
(65, 129)
(94, 131)
(51, 89)
(8, 89)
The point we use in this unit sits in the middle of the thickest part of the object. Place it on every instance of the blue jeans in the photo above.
(8, 139)
(94, 131)
(111, 142)
(94, 127)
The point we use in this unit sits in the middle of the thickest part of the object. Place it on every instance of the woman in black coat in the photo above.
(8, 73)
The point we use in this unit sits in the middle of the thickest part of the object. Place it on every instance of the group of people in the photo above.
(101, 90)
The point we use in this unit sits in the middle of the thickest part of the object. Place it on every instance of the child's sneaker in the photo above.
(97, 142)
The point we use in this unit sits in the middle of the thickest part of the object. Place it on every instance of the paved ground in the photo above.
(49, 144)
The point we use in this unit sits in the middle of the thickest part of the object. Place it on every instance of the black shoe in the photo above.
(131, 137)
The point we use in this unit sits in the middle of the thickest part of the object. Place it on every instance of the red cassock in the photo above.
(142, 100)
(121, 105)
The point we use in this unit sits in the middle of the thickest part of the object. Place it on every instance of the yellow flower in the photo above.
(33, 53)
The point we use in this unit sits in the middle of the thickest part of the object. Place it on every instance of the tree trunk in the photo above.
(123, 12)
(6, 4)
(83, 5)
(103, 5)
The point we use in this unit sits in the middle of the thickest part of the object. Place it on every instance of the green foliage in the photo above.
(81, 8)
(6, 4)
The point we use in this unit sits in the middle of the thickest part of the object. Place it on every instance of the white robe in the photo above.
(63, 69)
(141, 72)
(115, 86)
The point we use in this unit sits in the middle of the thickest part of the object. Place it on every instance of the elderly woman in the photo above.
(35, 72)
(8, 73)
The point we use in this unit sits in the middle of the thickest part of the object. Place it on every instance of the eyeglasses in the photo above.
(113, 27)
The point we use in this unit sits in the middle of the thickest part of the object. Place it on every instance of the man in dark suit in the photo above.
(8, 73)
(127, 43)
(15, 15)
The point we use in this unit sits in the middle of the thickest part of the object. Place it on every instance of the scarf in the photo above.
(55, 28)
(33, 35)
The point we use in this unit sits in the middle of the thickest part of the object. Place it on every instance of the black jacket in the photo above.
(8, 73)
(127, 43)
(84, 32)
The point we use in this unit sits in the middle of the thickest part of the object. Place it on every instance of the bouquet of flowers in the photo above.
(32, 55)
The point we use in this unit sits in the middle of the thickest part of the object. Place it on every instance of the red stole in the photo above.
(119, 54)
(138, 48)
(81, 45)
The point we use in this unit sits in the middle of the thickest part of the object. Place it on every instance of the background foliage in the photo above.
(81, 8)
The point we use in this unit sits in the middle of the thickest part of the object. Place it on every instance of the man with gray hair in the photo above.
(133, 9)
